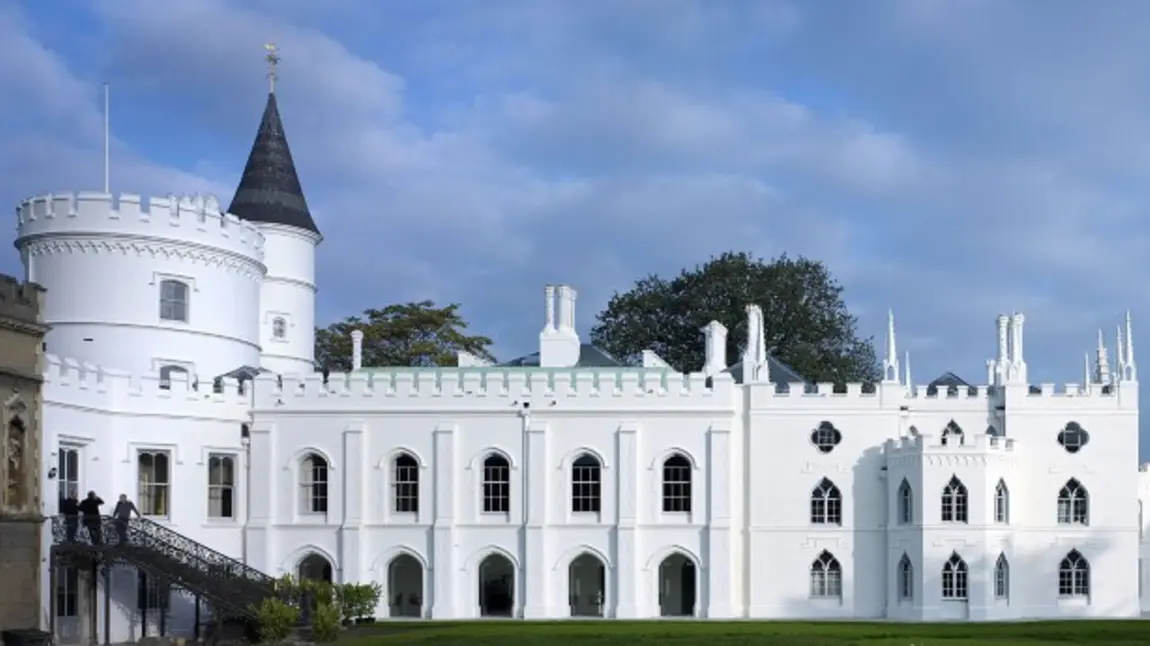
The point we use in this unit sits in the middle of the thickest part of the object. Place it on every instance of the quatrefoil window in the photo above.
(826, 437)
(1073, 438)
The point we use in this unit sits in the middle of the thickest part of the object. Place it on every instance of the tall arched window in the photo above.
(1001, 503)
(1073, 504)
(826, 577)
(405, 480)
(154, 475)
(496, 484)
(905, 503)
(954, 578)
(221, 486)
(676, 484)
(905, 579)
(954, 499)
(173, 301)
(313, 481)
(826, 504)
(1001, 578)
(1074, 576)
(586, 484)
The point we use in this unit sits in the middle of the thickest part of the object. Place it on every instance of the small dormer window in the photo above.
(279, 327)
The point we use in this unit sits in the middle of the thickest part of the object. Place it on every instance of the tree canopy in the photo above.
(408, 334)
(807, 323)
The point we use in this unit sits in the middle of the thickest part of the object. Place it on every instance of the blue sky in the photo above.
(948, 159)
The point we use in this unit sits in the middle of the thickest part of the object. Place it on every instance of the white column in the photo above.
(444, 595)
(262, 499)
(535, 594)
(626, 537)
(719, 554)
(351, 538)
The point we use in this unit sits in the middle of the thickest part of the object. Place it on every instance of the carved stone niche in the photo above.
(16, 468)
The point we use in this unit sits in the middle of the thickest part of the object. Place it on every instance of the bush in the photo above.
(358, 600)
(276, 619)
(325, 623)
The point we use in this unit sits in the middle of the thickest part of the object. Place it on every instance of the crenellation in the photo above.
(484, 384)
(930, 443)
(192, 219)
(66, 379)
(20, 300)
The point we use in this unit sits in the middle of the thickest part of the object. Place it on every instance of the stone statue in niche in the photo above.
(16, 447)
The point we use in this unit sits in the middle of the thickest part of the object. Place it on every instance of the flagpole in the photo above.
(107, 143)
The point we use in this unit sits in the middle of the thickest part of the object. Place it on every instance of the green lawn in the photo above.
(631, 633)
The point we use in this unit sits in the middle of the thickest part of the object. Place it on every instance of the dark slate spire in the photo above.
(269, 190)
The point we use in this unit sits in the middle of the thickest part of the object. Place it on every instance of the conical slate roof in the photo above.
(269, 190)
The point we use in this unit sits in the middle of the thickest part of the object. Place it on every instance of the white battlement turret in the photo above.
(174, 279)
(193, 219)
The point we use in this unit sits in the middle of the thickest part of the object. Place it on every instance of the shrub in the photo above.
(276, 618)
(325, 623)
(358, 600)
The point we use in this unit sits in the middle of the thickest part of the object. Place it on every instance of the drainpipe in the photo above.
(246, 440)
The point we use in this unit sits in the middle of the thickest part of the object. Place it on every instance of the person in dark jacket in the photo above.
(90, 511)
(70, 509)
(122, 514)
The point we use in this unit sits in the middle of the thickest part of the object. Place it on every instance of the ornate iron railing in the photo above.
(156, 546)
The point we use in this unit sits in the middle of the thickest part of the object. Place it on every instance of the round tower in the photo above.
(270, 197)
(145, 284)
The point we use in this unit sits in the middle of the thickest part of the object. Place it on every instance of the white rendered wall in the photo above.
(109, 418)
(753, 482)
(631, 433)
(102, 262)
(288, 293)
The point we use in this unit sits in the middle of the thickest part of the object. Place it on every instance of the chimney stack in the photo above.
(356, 349)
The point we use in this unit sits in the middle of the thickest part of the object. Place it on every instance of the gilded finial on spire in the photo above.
(273, 59)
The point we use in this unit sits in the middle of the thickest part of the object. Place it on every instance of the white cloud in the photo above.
(944, 160)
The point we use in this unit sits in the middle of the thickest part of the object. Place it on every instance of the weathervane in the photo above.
(273, 59)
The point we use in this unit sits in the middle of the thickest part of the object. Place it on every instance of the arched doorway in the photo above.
(496, 586)
(587, 586)
(315, 567)
(405, 587)
(678, 586)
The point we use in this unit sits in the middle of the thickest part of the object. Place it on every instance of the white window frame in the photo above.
(495, 492)
(279, 328)
(149, 493)
(1002, 578)
(681, 499)
(1001, 503)
(65, 480)
(218, 490)
(308, 484)
(166, 303)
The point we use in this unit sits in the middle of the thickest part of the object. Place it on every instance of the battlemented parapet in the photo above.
(189, 219)
(20, 301)
(82, 385)
(926, 443)
(463, 389)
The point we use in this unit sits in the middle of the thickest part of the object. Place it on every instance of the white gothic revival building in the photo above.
(563, 483)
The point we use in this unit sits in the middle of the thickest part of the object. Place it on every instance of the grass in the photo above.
(767, 633)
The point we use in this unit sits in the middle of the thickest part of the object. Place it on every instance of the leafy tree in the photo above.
(408, 334)
(807, 324)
